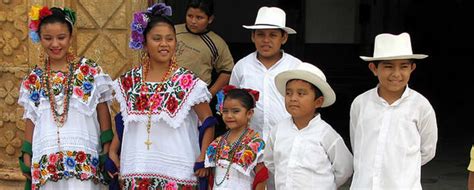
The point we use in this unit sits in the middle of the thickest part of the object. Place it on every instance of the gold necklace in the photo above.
(144, 88)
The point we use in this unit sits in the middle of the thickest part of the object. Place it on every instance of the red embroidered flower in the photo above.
(171, 185)
(84, 69)
(172, 104)
(144, 184)
(51, 168)
(81, 156)
(78, 92)
(53, 158)
(93, 71)
(186, 81)
(44, 12)
(181, 95)
(32, 79)
(26, 84)
(155, 101)
(127, 83)
(55, 177)
(36, 174)
(141, 103)
(136, 79)
(187, 187)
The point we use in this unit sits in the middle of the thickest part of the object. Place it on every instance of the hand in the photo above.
(203, 172)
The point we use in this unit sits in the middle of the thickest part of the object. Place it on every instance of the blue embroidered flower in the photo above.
(211, 151)
(43, 93)
(34, 96)
(70, 163)
(67, 174)
(87, 86)
(95, 161)
(38, 72)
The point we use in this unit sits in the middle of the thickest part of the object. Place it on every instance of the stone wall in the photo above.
(101, 33)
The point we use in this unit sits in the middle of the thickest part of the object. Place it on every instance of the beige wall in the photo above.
(101, 33)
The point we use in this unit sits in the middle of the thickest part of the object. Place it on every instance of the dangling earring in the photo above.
(173, 59)
(42, 56)
(145, 63)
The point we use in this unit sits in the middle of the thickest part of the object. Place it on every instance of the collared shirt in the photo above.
(249, 72)
(391, 142)
(314, 157)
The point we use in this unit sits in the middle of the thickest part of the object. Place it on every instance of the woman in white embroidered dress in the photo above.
(66, 109)
(161, 104)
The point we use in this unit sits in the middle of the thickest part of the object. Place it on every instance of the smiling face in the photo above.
(301, 100)
(235, 115)
(393, 76)
(56, 39)
(161, 43)
(197, 20)
(268, 42)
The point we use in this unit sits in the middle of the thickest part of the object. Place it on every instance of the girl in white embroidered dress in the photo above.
(237, 156)
(161, 105)
(65, 109)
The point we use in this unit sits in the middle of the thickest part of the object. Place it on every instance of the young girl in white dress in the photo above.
(66, 111)
(237, 156)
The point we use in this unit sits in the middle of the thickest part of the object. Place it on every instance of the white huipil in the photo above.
(249, 72)
(174, 148)
(391, 142)
(73, 163)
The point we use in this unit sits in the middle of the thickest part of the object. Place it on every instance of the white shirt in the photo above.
(249, 72)
(314, 157)
(391, 142)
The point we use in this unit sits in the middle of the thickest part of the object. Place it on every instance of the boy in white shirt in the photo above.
(392, 127)
(303, 151)
(258, 69)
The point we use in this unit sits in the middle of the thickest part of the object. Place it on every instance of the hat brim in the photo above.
(282, 78)
(414, 56)
(256, 27)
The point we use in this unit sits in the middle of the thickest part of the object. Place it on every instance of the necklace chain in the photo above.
(233, 149)
(59, 118)
(144, 89)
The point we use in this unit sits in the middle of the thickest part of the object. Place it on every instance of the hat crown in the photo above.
(271, 16)
(307, 67)
(387, 45)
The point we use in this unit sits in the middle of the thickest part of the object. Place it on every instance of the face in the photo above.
(197, 20)
(300, 99)
(393, 76)
(235, 115)
(161, 43)
(55, 39)
(268, 42)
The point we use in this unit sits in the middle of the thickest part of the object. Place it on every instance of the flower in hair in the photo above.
(222, 93)
(36, 14)
(160, 9)
(70, 15)
(140, 22)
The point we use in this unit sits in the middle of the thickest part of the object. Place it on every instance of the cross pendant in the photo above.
(148, 143)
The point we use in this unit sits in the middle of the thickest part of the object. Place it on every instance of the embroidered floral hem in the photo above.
(65, 165)
(157, 181)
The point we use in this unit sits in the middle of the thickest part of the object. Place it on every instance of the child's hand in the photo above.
(203, 172)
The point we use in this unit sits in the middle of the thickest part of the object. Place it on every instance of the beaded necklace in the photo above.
(233, 149)
(144, 90)
(59, 118)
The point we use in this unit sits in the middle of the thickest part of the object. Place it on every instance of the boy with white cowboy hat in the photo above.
(303, 151)
(258, 69)
(393, 128)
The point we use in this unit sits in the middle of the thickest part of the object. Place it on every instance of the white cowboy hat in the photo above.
(308, 73)
(391, 47)
(271, 18)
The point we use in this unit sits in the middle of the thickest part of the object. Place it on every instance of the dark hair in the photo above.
(316, 90)
(155, 19)
(58, 16)
(243, 95)
(207, 6)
